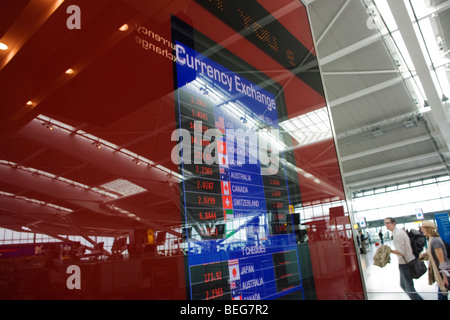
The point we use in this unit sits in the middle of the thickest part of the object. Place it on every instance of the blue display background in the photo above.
(443, 225)
(245, 180)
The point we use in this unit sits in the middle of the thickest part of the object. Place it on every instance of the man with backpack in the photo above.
(403, 250)
(418, 241)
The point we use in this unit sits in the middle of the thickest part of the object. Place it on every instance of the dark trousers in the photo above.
(407, 283)
(442, 296)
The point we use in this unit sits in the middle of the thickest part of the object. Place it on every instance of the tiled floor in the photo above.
(384, 283)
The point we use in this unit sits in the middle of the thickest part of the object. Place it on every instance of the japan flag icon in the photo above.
(233, 268)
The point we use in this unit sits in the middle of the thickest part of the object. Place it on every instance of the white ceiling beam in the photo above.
(412, 43)
(358, 73)
(39, 213)
(51, 187)
(398, 176)
(441, 7)
(107, 159)
(384, 148)
(36, 209)
(366, 91)
(379, 124)
(330, 25)
(391, 164)
(348, 50)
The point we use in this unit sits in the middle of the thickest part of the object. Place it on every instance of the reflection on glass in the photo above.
(168, 162)
(238, 212)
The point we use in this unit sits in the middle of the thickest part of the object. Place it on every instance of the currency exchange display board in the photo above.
(235, 195)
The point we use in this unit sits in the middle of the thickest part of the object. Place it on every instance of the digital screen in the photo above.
(235, 193)
(259, 26)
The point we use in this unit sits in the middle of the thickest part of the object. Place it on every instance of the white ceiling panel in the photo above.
(384, 134)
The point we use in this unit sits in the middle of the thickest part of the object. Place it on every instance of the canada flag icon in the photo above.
(226, 188)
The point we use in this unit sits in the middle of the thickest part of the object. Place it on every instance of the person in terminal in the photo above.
(362, 242)
(405, 254)
(439, 259)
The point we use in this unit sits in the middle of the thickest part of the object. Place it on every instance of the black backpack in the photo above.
(418, 241)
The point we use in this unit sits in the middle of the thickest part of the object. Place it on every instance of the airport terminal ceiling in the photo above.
(95, 112)
(385, 69)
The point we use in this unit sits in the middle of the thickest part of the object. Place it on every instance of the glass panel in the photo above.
(172, 150)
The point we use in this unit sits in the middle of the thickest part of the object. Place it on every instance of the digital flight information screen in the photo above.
(235, 194)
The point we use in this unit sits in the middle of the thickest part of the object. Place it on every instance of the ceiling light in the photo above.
(48, 125)
(409, 124)
(3, 46)
(123, 187)
(35, 201)
(377, 132)
(97, 144)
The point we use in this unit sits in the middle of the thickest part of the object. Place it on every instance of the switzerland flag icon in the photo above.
(227, 202)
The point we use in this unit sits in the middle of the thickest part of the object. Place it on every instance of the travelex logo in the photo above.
(235, 147)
